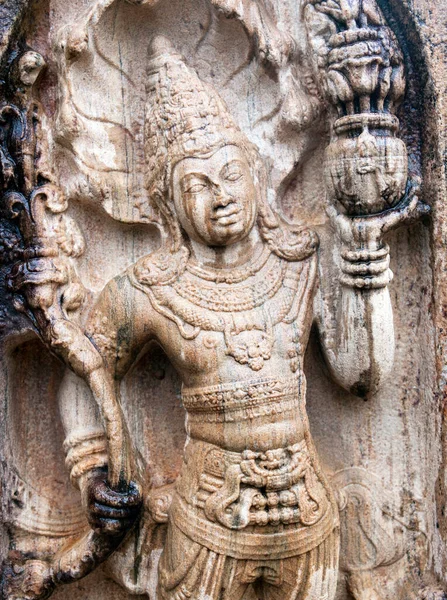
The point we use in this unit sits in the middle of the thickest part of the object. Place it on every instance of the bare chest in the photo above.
(215, 332)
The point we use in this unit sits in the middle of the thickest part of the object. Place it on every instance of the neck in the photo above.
(228, 257)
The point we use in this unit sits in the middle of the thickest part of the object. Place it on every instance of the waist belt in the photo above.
(238, 401)
(252, 504)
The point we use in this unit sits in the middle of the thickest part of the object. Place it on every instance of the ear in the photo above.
(169, 226)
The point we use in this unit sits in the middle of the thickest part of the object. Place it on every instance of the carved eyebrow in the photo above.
(189, 177)
(232, 163)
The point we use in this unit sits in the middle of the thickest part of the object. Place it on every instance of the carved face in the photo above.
(215, 197)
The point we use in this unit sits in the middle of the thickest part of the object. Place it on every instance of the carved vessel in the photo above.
(213, 388)
(366, 164)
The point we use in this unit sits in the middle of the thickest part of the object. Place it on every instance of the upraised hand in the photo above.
(367, 231)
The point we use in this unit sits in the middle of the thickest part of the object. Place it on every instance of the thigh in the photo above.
(189, 570)
(179, 566)
(309, 576)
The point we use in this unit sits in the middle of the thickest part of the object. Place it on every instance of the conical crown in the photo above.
(185, 117)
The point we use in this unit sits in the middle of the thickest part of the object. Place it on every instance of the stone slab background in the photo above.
(399, 435)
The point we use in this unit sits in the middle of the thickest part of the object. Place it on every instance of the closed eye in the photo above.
(195, 188)
(234, 176)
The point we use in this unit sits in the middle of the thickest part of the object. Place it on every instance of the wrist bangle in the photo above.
(365, 255)
(367, 283)
(85, 452)
(365, 269)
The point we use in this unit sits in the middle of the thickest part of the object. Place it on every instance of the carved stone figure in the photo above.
(230, 295)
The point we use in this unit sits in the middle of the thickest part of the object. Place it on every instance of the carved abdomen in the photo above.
(259, 414)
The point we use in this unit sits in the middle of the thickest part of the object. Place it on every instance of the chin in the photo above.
(231, 235)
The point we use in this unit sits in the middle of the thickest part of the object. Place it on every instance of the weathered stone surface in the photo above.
(149, 152)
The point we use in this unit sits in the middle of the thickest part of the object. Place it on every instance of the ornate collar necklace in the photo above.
(249, 269)
(240, 295)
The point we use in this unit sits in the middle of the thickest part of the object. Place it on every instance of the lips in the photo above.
(226, 215)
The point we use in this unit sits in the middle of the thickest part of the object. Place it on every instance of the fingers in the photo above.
(341, 223)
(112, 527)
(111, 521)
(332, 213)
(101, 493)
(360, 230)
(414, 209)
(394, 217)
(102, 510)
(110, 512)
(409, 211)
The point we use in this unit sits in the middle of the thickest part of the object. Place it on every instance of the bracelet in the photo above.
(366, 269)
(365, 255)
(85, 452)
(368, 283)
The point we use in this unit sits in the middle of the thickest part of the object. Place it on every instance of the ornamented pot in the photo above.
(366, 166)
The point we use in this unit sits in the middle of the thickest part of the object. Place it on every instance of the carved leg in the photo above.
(187, 570)
(310, 576)
(360, 584)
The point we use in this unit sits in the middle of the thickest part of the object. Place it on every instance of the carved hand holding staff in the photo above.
(229, 297)
(48, 290)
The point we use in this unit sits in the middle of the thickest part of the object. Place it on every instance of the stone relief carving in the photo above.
(230, 295)
(372, 533)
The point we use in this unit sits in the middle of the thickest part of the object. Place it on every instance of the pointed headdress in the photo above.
(186, 117)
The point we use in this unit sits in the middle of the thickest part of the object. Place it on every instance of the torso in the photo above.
(238, 346)
(249, 464)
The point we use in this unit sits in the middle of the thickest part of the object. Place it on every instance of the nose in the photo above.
(221, 198)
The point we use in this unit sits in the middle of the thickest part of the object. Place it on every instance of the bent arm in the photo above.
(358, 337)
(90, 405)
(85, 443)
(358, 344)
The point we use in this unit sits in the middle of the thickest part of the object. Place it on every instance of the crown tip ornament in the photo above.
(160, 44)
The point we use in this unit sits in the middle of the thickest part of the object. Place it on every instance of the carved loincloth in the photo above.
(253, 505)
(190, 571)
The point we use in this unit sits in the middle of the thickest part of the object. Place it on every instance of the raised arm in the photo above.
(359, 69)
(358, 338)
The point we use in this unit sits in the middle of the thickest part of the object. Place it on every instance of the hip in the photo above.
(253, 503)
